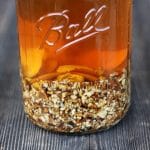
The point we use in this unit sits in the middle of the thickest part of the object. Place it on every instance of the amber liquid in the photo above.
(42, 47)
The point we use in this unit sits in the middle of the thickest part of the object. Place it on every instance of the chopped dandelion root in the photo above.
(66, 106)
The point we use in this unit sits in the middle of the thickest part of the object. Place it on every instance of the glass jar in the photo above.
(75, 62)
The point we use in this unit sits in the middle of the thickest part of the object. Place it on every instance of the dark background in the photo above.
(17, 133)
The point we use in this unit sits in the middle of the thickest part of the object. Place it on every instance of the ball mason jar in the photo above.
(75, 62)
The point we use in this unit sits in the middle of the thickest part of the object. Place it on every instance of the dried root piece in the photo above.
(48, 66)
(31, 61)
(36, 85)
(87, 76)
(71, 73)
(71, 77)
(49, 76)
(80, 69)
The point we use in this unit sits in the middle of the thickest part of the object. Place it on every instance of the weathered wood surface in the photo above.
(17, 133)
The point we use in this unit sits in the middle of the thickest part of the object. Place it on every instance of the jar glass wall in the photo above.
(75, 62)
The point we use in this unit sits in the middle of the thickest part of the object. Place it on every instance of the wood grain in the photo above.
(16, 131)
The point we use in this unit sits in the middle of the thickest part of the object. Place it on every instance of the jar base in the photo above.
(81, 132)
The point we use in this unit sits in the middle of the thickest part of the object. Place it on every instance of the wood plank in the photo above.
(141, 32)
(18, 133)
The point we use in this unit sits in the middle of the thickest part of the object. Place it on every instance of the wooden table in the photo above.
(17, 133)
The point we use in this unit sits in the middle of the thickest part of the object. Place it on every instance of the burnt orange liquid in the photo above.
(43, 48)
